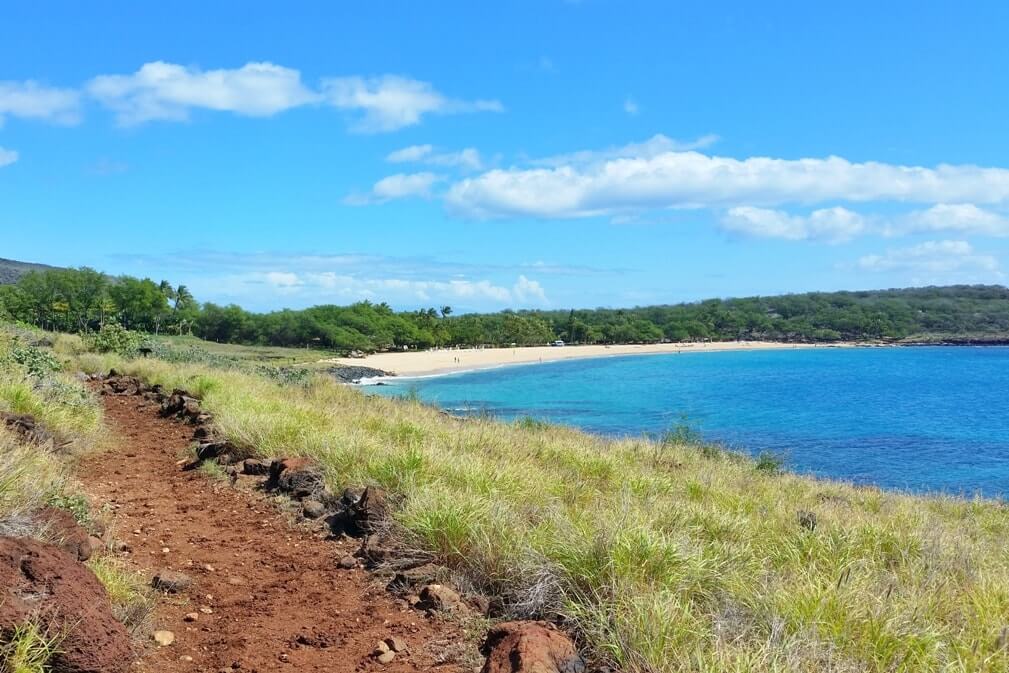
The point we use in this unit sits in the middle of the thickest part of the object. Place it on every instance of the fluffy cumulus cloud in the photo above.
(467, 159)
(398, 186)
(7, 157)
(166, 91)
(169, 92)
(392, 102)
(965, 218)
(931, 257)
(657, 175)
(326, 285)
(31, 100)
(834, 225)
(838, 224)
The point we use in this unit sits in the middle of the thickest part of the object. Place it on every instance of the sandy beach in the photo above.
(430, 362)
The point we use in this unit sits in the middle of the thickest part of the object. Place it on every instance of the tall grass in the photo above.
(30, 477)
(665, 557)
(29, 649)
(128, 591)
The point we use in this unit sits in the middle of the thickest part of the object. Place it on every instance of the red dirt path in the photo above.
(279, 601)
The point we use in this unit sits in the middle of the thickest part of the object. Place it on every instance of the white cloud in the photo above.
(391, 102)
(656, 145)
(960, 217)
(320, 286)
(7, 157)
(397, 186)
(166, 91)
(649, 176)
(631, 107)
(931, 257)
(468, 158)
(526, 291)
(283, 279)
(410, 154)
(403, 185)
(830, 224)
(31, 100)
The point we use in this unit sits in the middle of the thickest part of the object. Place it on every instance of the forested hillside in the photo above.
(82, 300)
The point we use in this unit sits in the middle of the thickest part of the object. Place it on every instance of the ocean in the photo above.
(922, 419)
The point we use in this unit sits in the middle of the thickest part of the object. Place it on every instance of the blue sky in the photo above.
(520, 154)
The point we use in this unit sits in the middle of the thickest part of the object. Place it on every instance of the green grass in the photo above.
(266, 355)
(28, 649)
(666, 556)
(128, 591)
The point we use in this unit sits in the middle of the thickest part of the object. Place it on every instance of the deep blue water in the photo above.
(922, 418)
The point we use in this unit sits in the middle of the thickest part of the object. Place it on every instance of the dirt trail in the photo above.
(279, 600)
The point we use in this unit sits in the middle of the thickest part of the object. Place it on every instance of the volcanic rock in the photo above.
(530, 647)
(298, 477)
(171, 581)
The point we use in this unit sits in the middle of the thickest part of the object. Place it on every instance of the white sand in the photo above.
(423, 363)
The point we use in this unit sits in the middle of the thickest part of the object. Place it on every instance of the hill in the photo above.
(11, 270)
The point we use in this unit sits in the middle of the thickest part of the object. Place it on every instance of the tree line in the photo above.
(83, 300)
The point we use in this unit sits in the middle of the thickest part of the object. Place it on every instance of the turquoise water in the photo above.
(922, 419)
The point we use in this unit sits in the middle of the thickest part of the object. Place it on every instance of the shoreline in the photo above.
(451, 361)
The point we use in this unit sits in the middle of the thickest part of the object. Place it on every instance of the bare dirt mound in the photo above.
(255, 593)
(42, 583)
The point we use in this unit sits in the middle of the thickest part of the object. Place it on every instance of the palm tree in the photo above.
(183, 297)
(446, 311)
(167, 290)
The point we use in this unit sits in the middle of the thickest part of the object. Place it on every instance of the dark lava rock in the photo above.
(359, 512)
(40, 582)
(313, 509)
(256, 466)
(181, 404)
(171, 581)
(354, 374)
(369, 511)
(530, 647)
(439, 598)
(409, 579)
(298, 477)
(28, 430)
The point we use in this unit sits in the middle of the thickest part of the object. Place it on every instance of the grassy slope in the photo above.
(668, 557)
(276, 356)
(30, 479)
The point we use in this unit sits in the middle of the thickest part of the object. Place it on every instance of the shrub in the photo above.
(36, 361)
(769, 462)
(288, 376)
(114, 338)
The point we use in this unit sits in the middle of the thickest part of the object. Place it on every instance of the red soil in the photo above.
(279, 600)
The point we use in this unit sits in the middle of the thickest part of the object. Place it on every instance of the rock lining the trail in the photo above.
(29, 430)
(530, 647)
